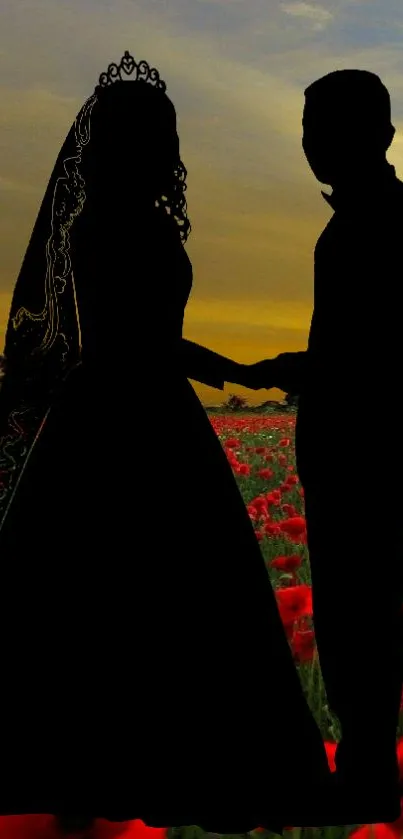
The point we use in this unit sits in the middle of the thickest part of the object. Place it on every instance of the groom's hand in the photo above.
(260, 375)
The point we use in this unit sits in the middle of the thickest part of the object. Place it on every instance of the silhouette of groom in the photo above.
(349, 445)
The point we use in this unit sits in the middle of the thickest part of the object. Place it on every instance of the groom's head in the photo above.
(346, 125)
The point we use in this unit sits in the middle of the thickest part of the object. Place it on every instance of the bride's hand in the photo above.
(259, 375)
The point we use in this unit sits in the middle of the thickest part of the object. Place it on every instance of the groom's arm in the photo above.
(289, 371)
(208, 367)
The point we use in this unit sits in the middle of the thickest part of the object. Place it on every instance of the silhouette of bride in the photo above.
(147, 674)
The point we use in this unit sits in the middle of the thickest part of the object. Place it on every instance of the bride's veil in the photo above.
(43, 340)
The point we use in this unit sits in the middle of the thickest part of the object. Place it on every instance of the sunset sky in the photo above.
(236, 71)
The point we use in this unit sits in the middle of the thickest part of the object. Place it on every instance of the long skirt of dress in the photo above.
(146, 673)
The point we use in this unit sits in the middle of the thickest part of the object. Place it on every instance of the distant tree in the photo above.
(236, 403)
(291, 399)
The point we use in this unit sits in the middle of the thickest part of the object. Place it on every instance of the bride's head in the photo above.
(133, 163)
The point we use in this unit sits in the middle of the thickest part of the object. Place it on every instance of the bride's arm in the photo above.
(208, 367)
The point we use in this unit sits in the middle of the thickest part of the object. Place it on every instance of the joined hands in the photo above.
(286, 372)
(259, 375)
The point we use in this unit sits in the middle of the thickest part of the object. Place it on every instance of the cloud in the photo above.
(317, 14)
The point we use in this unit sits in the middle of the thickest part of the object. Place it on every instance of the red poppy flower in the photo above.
(232, 443)
(303, 644)
(294, 526)
(294, 602)
(331, 753)
(244, 469)
(266, 474)
(272, 529)
(286, 563)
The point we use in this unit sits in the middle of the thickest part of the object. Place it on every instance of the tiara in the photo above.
(143, 72)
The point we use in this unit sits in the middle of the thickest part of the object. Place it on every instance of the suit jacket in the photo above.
(354, 348)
